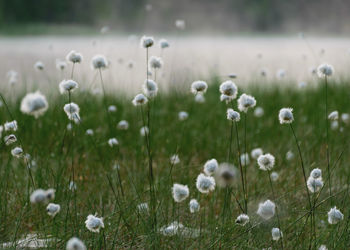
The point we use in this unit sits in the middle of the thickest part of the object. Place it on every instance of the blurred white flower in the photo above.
(39, 66)
(333, 116)
(313, 70)
(42, 196)
(89, 132)
(323, 247)
(314, 185)
(266, 210)
(263, 72)
(232, 115)
(61, 65)
(345, 117)
(194, 206)
(123, 125)
(11, 126)
(266, 162)
(75, 244)
(281, 73)
(99, 62)
(69, 126)
(245, 102)
(52, 209)
(276, 233)
(226, 175)
(155, 62)
(104, 30)
(172, 229)
(242, 219)
(112, 108)
(180, 192)
(274, 176)
(205, 184)
(289, 155)
(245, 159)
(34, 104)
(302, 85)
(334, 216)
(210, 167)
(228, 88)
(72, 110)
(180, 24)
(258, 112)
(142, 207)
(199, 98)
(163, 43)
(174, 159)
(94, 224)
(286, 115)
(9, 139)
(150, 88)
(256, 152)
(113, 142)
(334, 125)
(74, 57)
(139, 100)
(17, 152)
(183, 115)
(147, 41)
(67, 86)
(316, 173)
(232, 75)
(144, 131)
(199, 87)
(325, 70)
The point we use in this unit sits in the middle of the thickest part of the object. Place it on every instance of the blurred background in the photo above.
(202, 16)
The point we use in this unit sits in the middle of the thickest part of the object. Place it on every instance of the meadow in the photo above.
(127, 183)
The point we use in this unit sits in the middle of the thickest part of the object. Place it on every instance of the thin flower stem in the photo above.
(277, 213)
(241, 169)
(245, 161)
(327, 141)
(104, 100)
(230, 143)
(71, 75)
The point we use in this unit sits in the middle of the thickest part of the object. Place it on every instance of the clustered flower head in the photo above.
(99, 62)
(74, 57)
(144, 131)
(242, 219)
(163, 43)
(9, 139)
(205, 184)
(286, 115)
(94, 224)
(325, 70)
(174, 159)
(334, 116)
(39, 66)
(11, 126)
(266, 162)
(150, 88)
(155, 62)
(113, 142)
(67, 86)
(199, 87)
(194, 206)
(180, 192)
(34, 104)
(233, 115)
(245, 102)
(276, 233)
(123, 125)
(72, 110)
(256, 152)
(334, 216)
(226, 175)
(42, 196)
(52, 209)
(314, 182)
(183, 115)
(210, 167)
(266, 210)
(139, 100)
(17, 152)
(228, 90)
(61, 65)
(147, 41)
(75, 244)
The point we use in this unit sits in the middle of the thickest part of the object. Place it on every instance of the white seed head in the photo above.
(325, 70)
(286, 115)
(245, 102)
(123, 125)
(274, 176)
(113, 142)
(74, 57)
(38, 196)
(314, 185)
(334, 125)
(155, 62)
(316, 173)
(75, 244)
(89, 131)
(180, 192)
(334, 216)
(99, 62)
(150, 88)
(281, 73)
(233, 115)
(194, 206)
(258, 112)
(226, 175)
(61, 65)
(276, 233)
(9, 139)
(72, 110)
(34, 104)
(139, 100)
(112, 108)
(199, 87)
(333, 116)
(163, 43)
(94, 224)
(242, 219)
(180, 24)
(147, 41)
(256, 152)
(17, 152)
(199, 98)
(205, 184)
(52, 209)
(266, 210)
(144, 131)
(210, 167)
(245, 159)
(174, 159)
(266, 162)
(67, 86)
(183, 115)
(11, 126)
(228, 88)
(289, 155)
(345, 118)
(39, 66)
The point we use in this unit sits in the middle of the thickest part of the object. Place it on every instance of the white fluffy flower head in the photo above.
(194, 206)
(314, 185)
(155, 62)
(276, 233)
(210, 167)
(325, 70)
(52, 209)
(233, 115)
(163, 43)
(266, 210)
(147, 41)
(139, 100)
(99, 62)
(11, 126)
(75, 244)
(74, 57)
(183, 115)
(245, 102)
(72, 110)
(94, 224)
(150, 88)
(67, 86)
(334, 216)
(39, 66)
(266, 162)
(34, 104)
(242, 219)
(123, 125)
(256, 152)
(180, 192)
(286, 115)
(228, 88)
(199, 87)
(205, 184)
(333, 116)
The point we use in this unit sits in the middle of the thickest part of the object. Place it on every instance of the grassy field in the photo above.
(113, 181)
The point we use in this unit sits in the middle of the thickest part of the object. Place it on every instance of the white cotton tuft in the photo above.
(142, 207)
(245, 159)
(52, 209)
(256, 152)
(289, 155)
(286, 115)
(17, 152)
(180, 192)
(75, 244)
(274, 176)
(174, 159)
(139, 100)
(72, 110)
(34, 104)
(199, 98)
(333, 116)
(123, 125)
(228, 88)
(266, 162)
(232, 115)
(180, 24)
(242, 219)
(210, 167)
(99, 62)
(316, 173)
(226, 175)
(205, 184)
(9, 139)
(61, 65)
(67, 86)
(39, 66)
(199, 87)
(258, 112)
(325, 70)
(276, 233)
(245, 102)
(163, 43)
(144, 131)
(147, 41)
(11, 126)
(334, 216)
(266, 210)
(74, 57)
(314, 185)
(113, 142)
(183, 115)
(150, 88)
(112, 108)
(155, 62)
(94, 224)
(194, 206)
